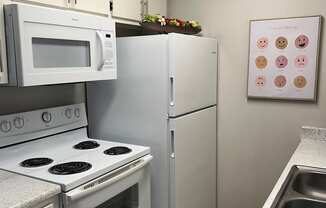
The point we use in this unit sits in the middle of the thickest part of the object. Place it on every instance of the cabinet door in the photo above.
(56, 3)
(194, 147)
(157, 7)
(128, 9)
(95, 6)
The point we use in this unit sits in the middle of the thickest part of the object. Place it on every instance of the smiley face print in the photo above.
(260, 81)
(281, 43)
(300, 82)
(262, 43)
(281, 62)
(280, 81)
(302, 41)
(301, 61)
(261, 62)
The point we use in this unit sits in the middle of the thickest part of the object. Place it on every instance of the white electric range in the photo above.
(52, 145)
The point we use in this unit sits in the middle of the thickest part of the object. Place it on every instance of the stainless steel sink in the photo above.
(312, 184)
(303, 203)
(304, 187)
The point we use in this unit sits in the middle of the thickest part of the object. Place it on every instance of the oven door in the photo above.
(126, 187)
(48, 47)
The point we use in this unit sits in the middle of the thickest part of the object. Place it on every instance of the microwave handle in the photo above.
(79, 193)
(102, 42)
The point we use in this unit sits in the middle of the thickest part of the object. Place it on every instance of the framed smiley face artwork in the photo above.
(283, 58)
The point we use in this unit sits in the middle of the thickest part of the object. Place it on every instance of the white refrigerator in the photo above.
(165, 98)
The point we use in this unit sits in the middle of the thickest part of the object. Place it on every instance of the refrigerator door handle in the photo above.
(172, 91)
(172, 144)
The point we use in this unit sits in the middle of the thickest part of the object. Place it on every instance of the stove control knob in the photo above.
(19, 122)
(77, 112)
(46, 117)
(5, 126)
(68, 113)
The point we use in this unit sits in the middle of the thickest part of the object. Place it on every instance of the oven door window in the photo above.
(127, 199)
(59, 53)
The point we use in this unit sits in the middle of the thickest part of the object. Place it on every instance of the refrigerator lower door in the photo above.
(193, 73)
(193, 160)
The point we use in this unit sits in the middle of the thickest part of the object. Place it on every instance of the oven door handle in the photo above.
(133, 167)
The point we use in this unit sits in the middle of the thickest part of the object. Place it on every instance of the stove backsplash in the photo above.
(14, 99)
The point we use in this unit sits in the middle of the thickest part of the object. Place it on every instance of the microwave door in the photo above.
(54, 54)
(51, 50)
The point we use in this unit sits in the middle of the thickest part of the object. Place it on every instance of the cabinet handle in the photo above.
(111, 5)
(76, 2)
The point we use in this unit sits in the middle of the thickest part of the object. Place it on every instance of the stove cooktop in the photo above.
(69, 159)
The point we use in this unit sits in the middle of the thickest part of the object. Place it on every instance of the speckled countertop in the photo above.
(310, 152)
(18, 191)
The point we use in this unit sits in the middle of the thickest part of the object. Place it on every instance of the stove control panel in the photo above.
(42, 122)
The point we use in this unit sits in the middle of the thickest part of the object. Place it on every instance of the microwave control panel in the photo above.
(108, 53)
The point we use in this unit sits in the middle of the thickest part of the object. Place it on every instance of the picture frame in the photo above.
(283, 60)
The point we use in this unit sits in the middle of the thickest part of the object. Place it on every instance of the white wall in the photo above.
(255, 137)
(14, 99)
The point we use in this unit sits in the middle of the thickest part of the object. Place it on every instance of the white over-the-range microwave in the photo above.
(44, 46)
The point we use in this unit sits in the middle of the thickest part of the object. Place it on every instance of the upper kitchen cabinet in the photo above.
(134, 10)
(95, 6)
(55, 3)
(128, 9)
(101, 7)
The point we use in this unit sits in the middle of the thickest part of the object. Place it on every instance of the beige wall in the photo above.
(255, 138)
(14, 99)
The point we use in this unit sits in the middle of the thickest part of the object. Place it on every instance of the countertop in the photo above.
(310, 152)
(17, 191)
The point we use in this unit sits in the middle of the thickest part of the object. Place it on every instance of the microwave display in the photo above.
(60, 53)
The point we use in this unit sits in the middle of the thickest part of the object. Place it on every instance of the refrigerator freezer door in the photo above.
(193, 73)
(193, 160)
